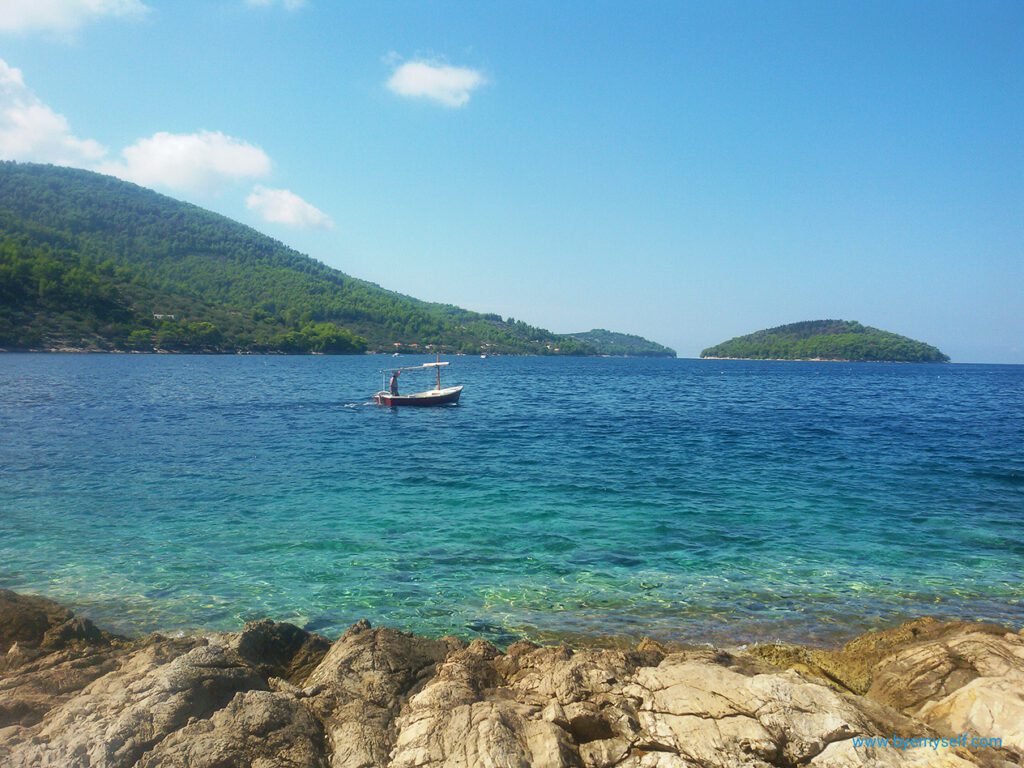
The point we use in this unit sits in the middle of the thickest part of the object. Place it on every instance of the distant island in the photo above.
(623, 344)
(92, 263)
(841, 340)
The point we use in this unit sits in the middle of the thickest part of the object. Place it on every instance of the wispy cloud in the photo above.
(62, 16)
(442, 83)
(282, 206)
(30, 130)
(206, 161)
(288, 5)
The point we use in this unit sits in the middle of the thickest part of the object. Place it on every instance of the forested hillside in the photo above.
(827, 340)
(89, 261)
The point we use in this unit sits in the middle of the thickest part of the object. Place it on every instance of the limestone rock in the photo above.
(362, 683)
(256, 728)
(843, 754)
(25, 619)
(281, 650)
(118, 717)
(36, 684)
(275, 696)
(967, 682)
(852, 667)
(556, 707)
(459, 719)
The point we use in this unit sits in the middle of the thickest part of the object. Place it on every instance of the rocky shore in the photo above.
(274, 695)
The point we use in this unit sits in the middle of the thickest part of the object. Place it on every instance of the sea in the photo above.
(564, 499)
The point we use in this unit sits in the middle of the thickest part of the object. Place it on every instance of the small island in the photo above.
(834, 340)
(622, 344)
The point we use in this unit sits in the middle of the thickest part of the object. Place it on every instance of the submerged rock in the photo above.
(274, 695)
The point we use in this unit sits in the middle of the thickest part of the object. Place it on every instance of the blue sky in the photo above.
(685, 171)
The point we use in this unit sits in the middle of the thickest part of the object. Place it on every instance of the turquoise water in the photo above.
(712, 500)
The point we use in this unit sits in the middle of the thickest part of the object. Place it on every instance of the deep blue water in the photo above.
(713, 500)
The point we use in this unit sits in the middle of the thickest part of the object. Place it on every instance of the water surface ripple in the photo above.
(712, 500)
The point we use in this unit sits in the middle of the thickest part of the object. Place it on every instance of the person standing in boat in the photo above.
(393, 386)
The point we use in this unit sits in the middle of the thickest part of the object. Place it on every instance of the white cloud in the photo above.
(289, 5)
(62, 16)
(282, 206)
(203, 162)
(30, 130)
(206, 161)
(438, 82)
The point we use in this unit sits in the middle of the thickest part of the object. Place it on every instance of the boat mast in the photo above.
(438, 369)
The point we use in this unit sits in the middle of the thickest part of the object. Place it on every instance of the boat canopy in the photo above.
(417, 367)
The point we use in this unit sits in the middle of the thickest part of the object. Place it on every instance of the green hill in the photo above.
(827, 340)
(89, 261)
(622, 344)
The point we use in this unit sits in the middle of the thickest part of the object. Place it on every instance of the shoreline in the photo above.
(823, 360)
(682, 638)
(132, 622)
(246, 353)
(272, 694)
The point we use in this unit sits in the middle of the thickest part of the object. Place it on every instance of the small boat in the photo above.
(437, 396)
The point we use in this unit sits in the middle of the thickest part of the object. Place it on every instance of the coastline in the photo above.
(272, 694)
(243, 352)
(812, 360)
